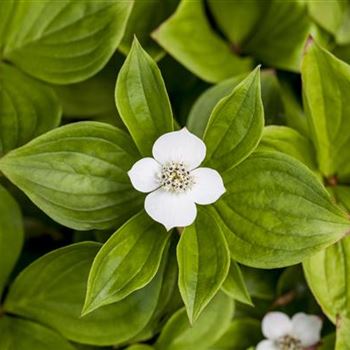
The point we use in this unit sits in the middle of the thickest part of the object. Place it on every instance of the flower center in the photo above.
(289, 343)
(175, 177)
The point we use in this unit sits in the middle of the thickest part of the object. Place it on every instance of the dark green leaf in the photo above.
(64, 41)
(235, 125)
(52, 290)
(77, 174)
(127, 261)
(142, 99)
(204, 261)
(276, 212)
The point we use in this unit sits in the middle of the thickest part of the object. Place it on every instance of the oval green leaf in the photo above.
(276, 212)
(326, 82)
(64, 41)
(204, 261)
(52, 291)
(127, 261)
(77, 174)
(28, 108)
(142, 99)
(235, 125)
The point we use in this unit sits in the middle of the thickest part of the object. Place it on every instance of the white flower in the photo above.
(283, 333)
(174, 179)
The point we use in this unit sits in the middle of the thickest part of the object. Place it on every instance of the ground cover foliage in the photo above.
(96, 252)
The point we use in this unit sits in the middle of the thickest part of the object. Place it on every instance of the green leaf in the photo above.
(52, 289)
(77, 174)
(26, 335)
(289, 141)
(142, 100)
(241, 334)
(28, 108)
(237, 19)
(169, 299)
(127, 261)
(204, 261)
(189, 38)
(235, 125)
(145, 17)
(64, 41)
(235, 286)
(204, 105)
(279, 37)
(11, 235)
(326, 82)
(178, 334)
(276, 212)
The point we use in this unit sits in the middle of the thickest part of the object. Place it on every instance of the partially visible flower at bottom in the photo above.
(174, 181)
(300, 332)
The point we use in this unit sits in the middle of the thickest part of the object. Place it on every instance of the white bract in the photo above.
(282, 333)
(174, 181)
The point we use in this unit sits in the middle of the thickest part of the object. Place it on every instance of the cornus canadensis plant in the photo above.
(175, 180)
(298, 333)
(173, 206)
